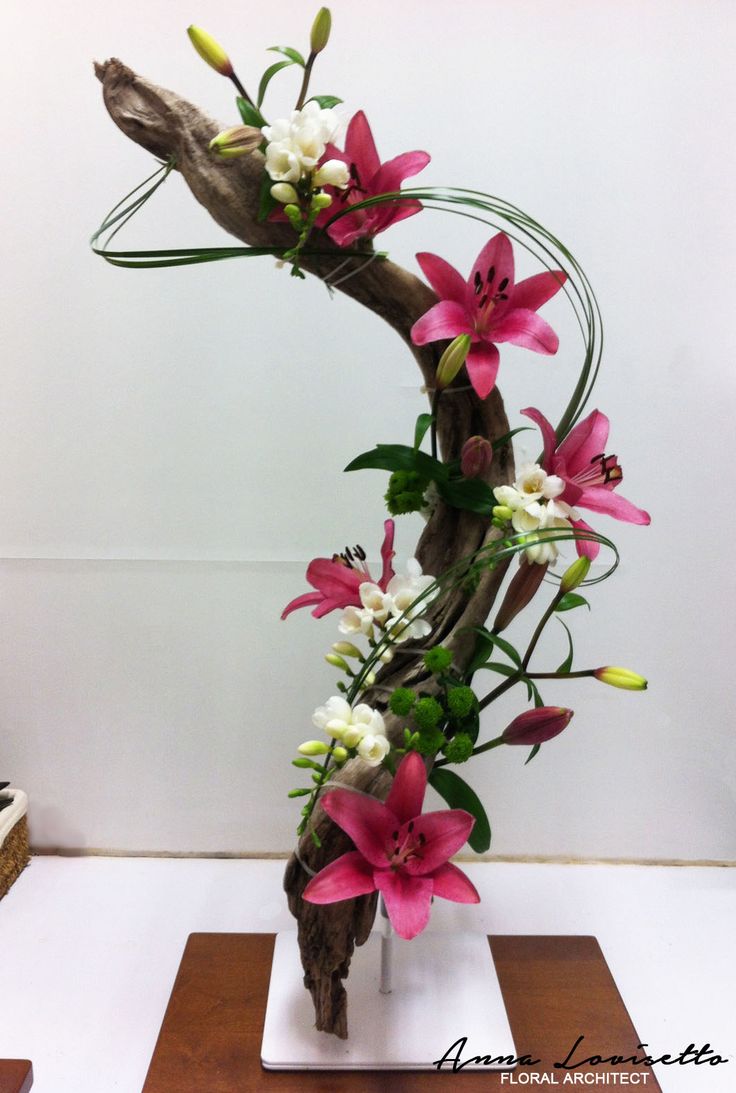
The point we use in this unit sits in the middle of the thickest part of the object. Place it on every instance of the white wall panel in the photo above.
(172, 441)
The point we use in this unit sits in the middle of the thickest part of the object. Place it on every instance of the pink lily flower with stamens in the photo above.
(590, 476)
(399, 852)
(338, 579)
(489, 307)
(369, 178)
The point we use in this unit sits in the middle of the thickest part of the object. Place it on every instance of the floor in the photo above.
(89, 948)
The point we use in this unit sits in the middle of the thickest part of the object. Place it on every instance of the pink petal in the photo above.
(387, 553)
(408, 900)
(380, 217)
(360, 147)
(335, 580)
(302, 601)
(497, 257)
(406, 796)
(482, 364)
(444, 833)
(444, 278)
(601, 499)
(344, 878)
(548, 434)
(392, 173)
(349, 228)
(368, 822)
(525, 328)
(586, 548)
(535, 291)
(446, 319)
(449, 882)
(587, 440)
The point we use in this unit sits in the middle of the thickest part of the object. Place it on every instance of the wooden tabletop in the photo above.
(556, 989)
(16, 1075)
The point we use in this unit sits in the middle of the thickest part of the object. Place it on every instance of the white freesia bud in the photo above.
(313, 747)
(284, 192)
(373, 749)
(332, 173)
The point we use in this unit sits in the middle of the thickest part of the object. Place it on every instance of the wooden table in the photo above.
(16, 1075)
(555, 988)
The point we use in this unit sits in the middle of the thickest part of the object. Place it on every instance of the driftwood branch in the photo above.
(165, 124)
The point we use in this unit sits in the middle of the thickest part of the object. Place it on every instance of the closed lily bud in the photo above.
(210, 50)
(452, 361)
(241, 140)
(313, 747)
(520, 592)
(621, 677)
(284, 192)
(321, 27)
(537, 726)
(575, 575)
(476, 456)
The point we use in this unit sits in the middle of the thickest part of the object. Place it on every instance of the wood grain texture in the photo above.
(166, 124)
(555, 989)
(16, 1075)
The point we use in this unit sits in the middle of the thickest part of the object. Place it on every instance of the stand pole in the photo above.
(387, 944)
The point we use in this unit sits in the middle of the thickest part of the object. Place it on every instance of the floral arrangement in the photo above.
(323, 196)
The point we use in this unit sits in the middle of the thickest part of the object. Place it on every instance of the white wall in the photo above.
(172, 441)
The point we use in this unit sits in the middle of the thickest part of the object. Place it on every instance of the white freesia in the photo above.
(373, 749)
(401, 592)
(332, 173)
(536, 509)
(296, 144)
(347, 724)
(356, 620)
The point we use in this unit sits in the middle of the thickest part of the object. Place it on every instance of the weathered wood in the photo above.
(165, 124)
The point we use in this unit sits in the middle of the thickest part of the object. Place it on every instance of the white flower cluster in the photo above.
(296, 145)
(359, 727)
(392, 610)
(536, 509)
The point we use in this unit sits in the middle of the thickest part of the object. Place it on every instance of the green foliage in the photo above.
(566, 665)
(401, 701)
(458, 794)
(286, 51)
(571, 601)
(423, 425)
(268, 75)
(250, 114)
(467, 493)
(326, 102)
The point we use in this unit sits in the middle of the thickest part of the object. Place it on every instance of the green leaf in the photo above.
(482, 651)
(293, 54)
(492, 639)
(325, 101)
(266, 203)
(398, 457)
(532, 753)
(498, 666)
(458, 794)
(567, 662)
(533, 692)
(502, 440)
(250, 115)
(467, 493)
(423, 425)
(571, 601)
(268, 76)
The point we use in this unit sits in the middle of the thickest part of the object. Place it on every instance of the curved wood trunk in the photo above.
(164, 123)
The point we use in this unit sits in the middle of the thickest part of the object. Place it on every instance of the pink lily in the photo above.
(399, 853)
(589, 475)
(369, 178)
(489, 307)
(338, 579)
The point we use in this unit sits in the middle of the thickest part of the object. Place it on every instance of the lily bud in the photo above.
(337, 662)
(520, 592)
(241, 140)
(575, 575)
(313, 747)
(452, 361)
(476, 456)
(284, 192)
(210, 50)
(537, 726)
(321, 27)
(347, 649)
(621, 677)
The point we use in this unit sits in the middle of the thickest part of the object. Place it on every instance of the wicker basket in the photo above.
(14, 851)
